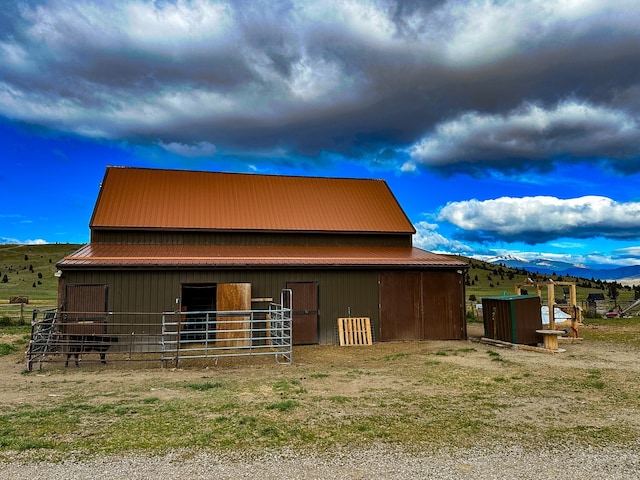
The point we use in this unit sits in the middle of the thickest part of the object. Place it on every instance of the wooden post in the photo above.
(551, 301)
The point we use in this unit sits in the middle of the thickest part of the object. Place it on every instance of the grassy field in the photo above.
(29, 271)
(415, 395)
(485, 280)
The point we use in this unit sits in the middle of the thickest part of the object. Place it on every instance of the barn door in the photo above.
(233, 330)
(198, 321)
(400, 304)
(444, 314)
(304, 328)
(85, 302)
(422, 306)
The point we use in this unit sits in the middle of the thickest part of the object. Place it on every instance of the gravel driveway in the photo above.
(380, 462)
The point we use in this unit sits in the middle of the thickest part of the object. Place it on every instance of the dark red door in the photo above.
(86, 302)
(400, 303)
(304, 328)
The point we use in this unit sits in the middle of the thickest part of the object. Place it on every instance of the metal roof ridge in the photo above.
(188, 170)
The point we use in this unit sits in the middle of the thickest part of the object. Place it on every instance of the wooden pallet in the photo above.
(354, 331)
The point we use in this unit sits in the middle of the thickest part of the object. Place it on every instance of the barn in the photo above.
(177, 240)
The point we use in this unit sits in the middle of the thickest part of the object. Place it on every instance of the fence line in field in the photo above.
(20, 313)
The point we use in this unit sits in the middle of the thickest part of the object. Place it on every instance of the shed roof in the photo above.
(165, 255)
(138, 198)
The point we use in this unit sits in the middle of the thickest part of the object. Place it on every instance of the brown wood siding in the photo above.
(144, 291)
(425, 305)
(443, 306)
(400, 306)
(421, 306)
(85, 300)
(245, 238)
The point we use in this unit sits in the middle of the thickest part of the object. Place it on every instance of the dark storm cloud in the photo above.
(449, 86)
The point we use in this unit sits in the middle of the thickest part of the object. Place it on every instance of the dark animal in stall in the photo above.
(89, 343)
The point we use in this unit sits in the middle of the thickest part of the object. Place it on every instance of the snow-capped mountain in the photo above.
(547, 266)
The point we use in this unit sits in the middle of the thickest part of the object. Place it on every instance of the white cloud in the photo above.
(144, 25)
(427, 238)
(37, 241)
(543, 218)
(177, 23)
(484, 31)
(313, 79)
(633, 252)
(367, 20)
(408, 167)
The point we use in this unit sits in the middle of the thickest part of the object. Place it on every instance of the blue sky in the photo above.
(501, 127)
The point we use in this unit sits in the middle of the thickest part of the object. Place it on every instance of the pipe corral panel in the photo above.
(512, 318)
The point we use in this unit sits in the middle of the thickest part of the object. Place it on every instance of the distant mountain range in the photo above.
(546, 266)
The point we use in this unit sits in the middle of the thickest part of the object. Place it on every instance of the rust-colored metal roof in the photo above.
(138, 198)
(143, 255)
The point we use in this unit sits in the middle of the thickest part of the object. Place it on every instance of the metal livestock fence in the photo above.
(167, 337)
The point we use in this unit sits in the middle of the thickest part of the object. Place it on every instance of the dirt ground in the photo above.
(623, 357)
(497, 408)
(581, 383)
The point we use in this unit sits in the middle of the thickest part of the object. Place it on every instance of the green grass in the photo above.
(395, 356)
(619, 330)
(7, 349)
(283, 406)
(425, 406)
(26, 265)
(202, 387)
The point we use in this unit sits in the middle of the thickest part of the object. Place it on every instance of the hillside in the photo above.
(487, 279)
(28, 270)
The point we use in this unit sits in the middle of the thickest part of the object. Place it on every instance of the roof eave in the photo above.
(104, 228)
